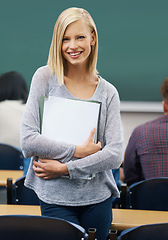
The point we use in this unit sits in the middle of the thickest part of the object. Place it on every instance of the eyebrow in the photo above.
(79, 34)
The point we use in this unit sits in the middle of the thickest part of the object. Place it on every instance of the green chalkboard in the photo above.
(133, 41)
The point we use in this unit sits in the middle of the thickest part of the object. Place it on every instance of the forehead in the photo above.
(76, 27)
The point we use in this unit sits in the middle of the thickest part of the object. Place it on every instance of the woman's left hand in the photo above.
(49, 169)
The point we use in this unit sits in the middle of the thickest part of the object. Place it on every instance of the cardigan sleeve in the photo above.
(32, 142)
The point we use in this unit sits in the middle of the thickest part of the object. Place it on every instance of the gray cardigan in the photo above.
(73, 191)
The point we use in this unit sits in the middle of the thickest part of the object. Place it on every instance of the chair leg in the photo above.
(123, 195)
(112, 235)
(9, 190)
(91, 233)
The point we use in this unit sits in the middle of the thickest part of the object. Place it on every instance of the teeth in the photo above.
(74, 54)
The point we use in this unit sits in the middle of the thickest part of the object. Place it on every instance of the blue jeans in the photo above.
(97, 216)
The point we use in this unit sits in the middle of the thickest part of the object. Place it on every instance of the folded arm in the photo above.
(93, 160)
(48, 169)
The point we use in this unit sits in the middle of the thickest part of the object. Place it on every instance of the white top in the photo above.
(10, 121)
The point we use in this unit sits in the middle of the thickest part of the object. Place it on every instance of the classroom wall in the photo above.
(133, 48)
(132, 41)
(134, 114)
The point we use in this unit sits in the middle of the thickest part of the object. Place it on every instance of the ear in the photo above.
(165, 107)
(93, 38)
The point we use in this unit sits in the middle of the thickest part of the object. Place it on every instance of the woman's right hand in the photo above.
(88, 148)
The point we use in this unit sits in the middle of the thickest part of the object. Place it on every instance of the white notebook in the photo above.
(69, 120)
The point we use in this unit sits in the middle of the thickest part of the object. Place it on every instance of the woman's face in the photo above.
(77, 42)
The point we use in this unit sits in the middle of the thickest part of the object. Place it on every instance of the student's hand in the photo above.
(49, 169)
(88, 148)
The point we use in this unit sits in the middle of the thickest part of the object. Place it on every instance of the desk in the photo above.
(122, 218)
(14, 174)
(127, 218)
(19, 210)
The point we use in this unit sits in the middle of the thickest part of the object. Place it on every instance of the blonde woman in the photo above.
(71, 73)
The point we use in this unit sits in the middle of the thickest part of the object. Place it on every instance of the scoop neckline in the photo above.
(95, 92)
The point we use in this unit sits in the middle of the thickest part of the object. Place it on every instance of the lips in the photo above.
(74, 54)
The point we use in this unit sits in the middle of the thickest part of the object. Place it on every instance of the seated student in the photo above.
(13, 96)
(146, 155)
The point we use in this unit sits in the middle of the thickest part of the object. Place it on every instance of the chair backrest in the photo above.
(39, 228)
(151, 194)
(146, 232)
(17, 193)
(11, 158)
(116, 175)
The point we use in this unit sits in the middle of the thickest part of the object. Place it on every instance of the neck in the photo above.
(77, 73)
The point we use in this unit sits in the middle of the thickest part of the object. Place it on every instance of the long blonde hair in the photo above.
(56, 62)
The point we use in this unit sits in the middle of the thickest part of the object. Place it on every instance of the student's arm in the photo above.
(47, 168)
(110, 157)
(32, 142)
(35, 144)
(88, 148)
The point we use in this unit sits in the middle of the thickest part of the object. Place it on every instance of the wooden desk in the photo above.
(19, 209)
(127, 218)
(122, 218)
(14, 174)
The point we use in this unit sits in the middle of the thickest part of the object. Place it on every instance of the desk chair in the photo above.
(116, 175)
(146, 232)
(11, 158)
(39, 228)
(17, 193)
(148, 194)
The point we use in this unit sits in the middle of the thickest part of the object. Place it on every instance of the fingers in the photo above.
(39, 172)
(36, 164)
(44, 160)
(38, 167)
(42, 175)
(99, 144)
(40, 163)
(92, 134)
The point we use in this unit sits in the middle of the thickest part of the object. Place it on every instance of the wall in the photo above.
(134, 114)
(132, 41)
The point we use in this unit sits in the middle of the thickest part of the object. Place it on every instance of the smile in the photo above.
(73, 54)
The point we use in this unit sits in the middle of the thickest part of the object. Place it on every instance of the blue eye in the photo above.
(65, 39)
(81, 37)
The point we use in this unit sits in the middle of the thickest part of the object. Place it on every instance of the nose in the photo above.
(73, 44)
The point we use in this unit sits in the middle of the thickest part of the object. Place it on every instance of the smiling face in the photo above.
(77, 42)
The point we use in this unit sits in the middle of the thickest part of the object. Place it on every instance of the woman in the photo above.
(71, 73)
